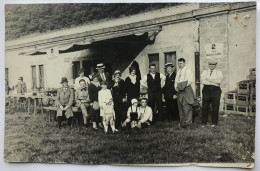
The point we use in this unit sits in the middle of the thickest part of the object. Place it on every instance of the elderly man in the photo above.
(211, 92)
(82, 100)
(21, 86)
(154, 81)
(102, 75)
(170, 94)
(65, 97)
(185, 94)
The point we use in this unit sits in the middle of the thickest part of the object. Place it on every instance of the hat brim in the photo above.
(103, 67)
(169, 66)
(64, 82)
(211, 63)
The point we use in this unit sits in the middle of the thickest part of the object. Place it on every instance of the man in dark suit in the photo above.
(170, 94)
(103, 76)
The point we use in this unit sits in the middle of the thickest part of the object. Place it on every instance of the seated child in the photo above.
(133, 114)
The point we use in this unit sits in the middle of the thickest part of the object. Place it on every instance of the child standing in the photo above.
(106, 104)
(109, 116)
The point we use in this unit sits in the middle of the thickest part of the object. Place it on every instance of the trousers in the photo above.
(156, 98)
(172, 112)
(185, 111)
(210, 96)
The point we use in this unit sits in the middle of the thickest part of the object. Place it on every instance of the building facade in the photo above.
(193, 31)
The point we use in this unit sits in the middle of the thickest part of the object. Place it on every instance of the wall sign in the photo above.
(214, 50)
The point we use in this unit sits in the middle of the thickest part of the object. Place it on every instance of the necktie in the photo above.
(210, 72)
(180, 75)
(104, 77)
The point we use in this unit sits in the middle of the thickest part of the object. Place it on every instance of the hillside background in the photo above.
(28, 19)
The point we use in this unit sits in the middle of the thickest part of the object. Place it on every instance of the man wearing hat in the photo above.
(211, 92)
(64, 101)
(102, 75)
(21, 86)
(81, 76)
(170, 94)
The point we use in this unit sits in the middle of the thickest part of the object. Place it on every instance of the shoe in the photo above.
(100, 125)
(203, 126)
(116, 130)
(95, 128)
(212, 126)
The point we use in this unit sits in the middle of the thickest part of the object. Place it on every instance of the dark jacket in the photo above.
(93, 92)
(132, 90)
(154, 85)
(168, 89)
(118, 91)
(107, 75)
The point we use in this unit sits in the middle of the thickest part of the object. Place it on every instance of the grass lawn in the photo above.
(31, 138)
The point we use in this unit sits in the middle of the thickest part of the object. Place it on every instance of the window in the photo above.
(76, 68)
(170, 57)
(41, 76)
(154, 59)
(34, 79)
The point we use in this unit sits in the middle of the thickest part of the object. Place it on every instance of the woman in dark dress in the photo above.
(118, 93)
(132, 85)
(93, 89)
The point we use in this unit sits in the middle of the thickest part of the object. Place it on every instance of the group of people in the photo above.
(109, 100)
(113, 101)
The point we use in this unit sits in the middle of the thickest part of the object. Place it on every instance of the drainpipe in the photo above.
(197, 56)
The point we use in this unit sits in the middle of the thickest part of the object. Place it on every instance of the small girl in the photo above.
(133, 114)
(109, 116)
(106, 107)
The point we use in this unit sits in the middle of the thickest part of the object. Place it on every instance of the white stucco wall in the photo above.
(177, 38)
(242, 46)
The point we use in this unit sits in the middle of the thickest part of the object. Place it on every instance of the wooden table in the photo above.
(28, 98)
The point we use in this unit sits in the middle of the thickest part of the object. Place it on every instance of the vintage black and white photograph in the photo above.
(147, 84)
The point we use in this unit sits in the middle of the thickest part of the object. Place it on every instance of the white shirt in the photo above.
(145, 114)
(104, 96)
(211, 78)
(77, 86)
(103, 77)
(144, 80)
(184, 74)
